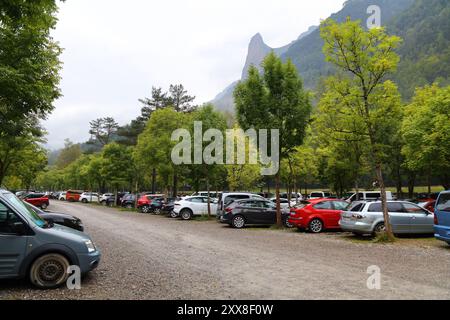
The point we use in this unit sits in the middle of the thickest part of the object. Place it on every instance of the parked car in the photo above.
(284, 203)
(430, 205)
(365, 217)
(148, 203)
(54, 247)
(73, 195)
(241, 213)
(227, 198)
(128, 201)
(189, 207)
(442, 217)
(168, 207)
(111, 197)
(212, 194)
(317, 215)
(62, 196)
(294, 196)
(320, 195)
(62, 219)
(369, 196)
(37, 199)
(86, 197)
(104, 197)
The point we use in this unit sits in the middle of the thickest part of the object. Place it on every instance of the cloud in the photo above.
(115, 51)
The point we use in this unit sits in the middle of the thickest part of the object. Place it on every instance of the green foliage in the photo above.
(117, 165)
(68, 155)
(29, 64)
(426, 130)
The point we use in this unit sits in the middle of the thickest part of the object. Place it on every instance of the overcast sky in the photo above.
(115, 51)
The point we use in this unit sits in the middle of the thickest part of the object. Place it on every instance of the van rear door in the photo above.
(442, 209)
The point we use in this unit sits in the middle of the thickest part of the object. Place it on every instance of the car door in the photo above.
(421, 221)
(269, 213)
(327, 213)
(198, 206)
(400, 220)
(12, 246)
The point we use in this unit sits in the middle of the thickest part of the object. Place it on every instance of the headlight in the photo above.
(90, 246)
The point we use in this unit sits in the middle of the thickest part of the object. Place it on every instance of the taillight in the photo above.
(228, 210)
(436, 222)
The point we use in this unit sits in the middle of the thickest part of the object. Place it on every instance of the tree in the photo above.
(29, 64)
(68, 155)
(117, 166)
(159, 100)
(102, 130)
(154, 147)
(275, 100)
(425, 129)
(179, 99)
(361, 93)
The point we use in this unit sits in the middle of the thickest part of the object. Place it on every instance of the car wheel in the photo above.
(157, 211)
(49, 271)
(186, 214)
(145, 209)
(84, 200)
(379, 228)
(316, 226)
(238, 222)
(173, 215)
(287, 224)
(61, 199)
(44, 206)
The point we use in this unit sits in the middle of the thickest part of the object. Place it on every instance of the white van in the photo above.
(370, 196)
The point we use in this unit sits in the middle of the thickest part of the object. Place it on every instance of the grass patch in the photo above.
(127, 210)
(383, 238)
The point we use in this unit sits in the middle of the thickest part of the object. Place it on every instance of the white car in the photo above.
(62, 196)
(190, 207)
(104, 198)
(89, 197)
(284, 203)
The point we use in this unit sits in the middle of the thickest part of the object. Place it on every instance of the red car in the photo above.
(318, 215)
(429, 205)
(144, 203)
(73, 195)
(38, 200)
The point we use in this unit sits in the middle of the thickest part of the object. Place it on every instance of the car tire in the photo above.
(238, 222)
(145, 209)
(379, 228)
(44, 206)
(84, 200)
(49, 271)
(157, 211)
(287, 224)
(186, 214)
(173, 215)
(316, 226)
(62, 199)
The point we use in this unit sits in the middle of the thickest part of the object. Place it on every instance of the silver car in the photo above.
(365, 217)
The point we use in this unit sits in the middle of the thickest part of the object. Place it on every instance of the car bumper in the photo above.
(442, 233)
(224, 219)
(89, 261)
(297, 222)
(356, 226)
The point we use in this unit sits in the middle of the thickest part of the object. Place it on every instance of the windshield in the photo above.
(19, 205)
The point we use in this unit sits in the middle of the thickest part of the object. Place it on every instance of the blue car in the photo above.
(442, 217)
(43, 252)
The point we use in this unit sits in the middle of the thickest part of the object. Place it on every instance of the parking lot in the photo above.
(154, 257)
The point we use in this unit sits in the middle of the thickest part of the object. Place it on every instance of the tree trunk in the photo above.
(387, 221)
(277, 183)
(411, 184)
(175, 184)
(154, 181)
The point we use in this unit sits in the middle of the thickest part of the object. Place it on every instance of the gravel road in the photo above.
(154, 257)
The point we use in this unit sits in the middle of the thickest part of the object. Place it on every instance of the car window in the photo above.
(327, 205)
(340, 205)
(269, 205)
(411, 208)
(316, 195)
(444, 203)
(356, 207)
(7, 219)
(395, 207)
(230, 199)
(375, 207)
(373, 195)
(196, 200)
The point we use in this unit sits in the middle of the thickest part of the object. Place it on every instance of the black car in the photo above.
(167, 207)
(245, 212)
(62, 219)
(110, 199)
(128, 201)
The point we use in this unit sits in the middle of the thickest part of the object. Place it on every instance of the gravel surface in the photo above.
(154, 257)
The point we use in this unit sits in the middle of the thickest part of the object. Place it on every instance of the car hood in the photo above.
(56, 215)
(60, 231)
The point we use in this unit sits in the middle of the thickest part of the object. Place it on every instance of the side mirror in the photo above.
(19, 228)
